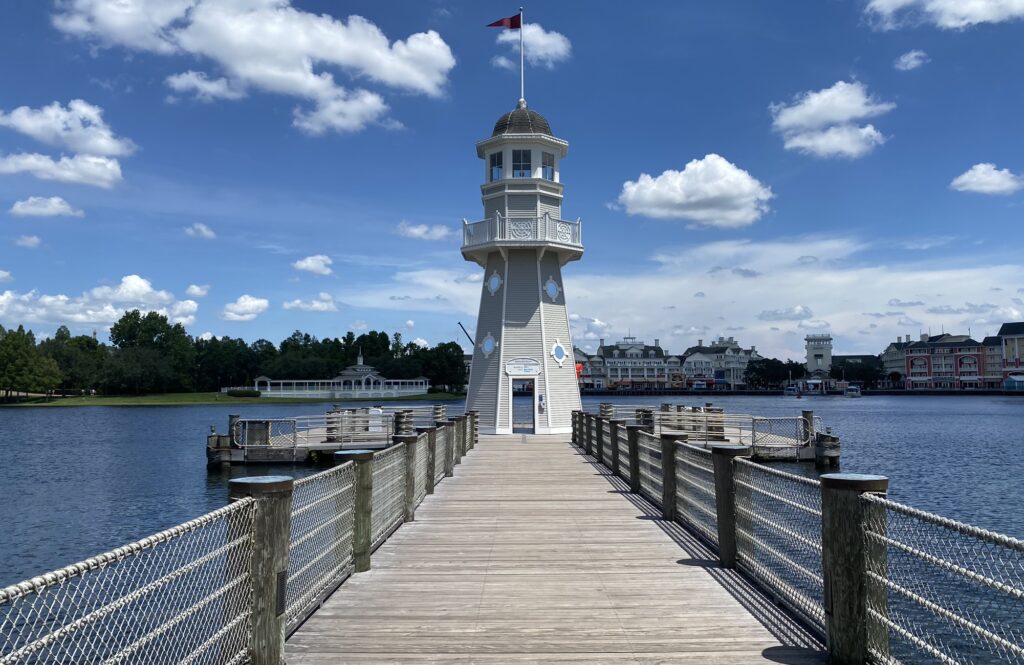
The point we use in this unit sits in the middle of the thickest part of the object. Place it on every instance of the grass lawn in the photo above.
(185, 399)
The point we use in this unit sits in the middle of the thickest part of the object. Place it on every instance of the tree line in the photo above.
(148, 354)
(774, 373)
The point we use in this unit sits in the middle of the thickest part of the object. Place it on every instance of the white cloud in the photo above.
(357, 326)
(945, 14)
(985, 178)
(42, 206)
(318, 263)
(28, 242)
(543, 47)
(419, 341)
(710, 191)
(410, 324)
(5, 276)
(823, 123)
(207, 336)
(272, 46)
(80, 169)
(423, 231)
(794, 313)
(911, 60)
(100, 306)
(200, 230)
(246, 308)
(198, 290)
(204, 88)
(78, 127)
(324, 302)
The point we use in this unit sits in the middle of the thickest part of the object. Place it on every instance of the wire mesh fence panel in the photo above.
(649, 452)
(440, 453)
(695, 491)
(388, 506)
(182, 595)
(778, 436)
(420, 472)
(940, 591)
(277, 433)
(320, 542)
(623, 445)
(778, 535)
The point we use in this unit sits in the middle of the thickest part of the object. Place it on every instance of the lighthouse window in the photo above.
(496, 163)
(547, 166)
(521, 164)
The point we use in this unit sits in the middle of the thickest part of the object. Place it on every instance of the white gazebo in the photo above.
(357, 380)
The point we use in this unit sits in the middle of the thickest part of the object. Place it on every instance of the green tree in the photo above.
(81, 359)
(23, 369)
(169, 351)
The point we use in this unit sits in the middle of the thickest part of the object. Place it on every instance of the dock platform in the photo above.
(533, 552)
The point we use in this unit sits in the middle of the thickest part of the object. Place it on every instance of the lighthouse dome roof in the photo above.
(522, 120)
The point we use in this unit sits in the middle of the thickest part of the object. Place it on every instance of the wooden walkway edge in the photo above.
(533, 553)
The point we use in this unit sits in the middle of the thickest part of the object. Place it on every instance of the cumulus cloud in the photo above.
(824, 123)
(318, 263)
(203, 88)
(911, 60)
(985, 178)
(5, 276)
(794, 313)
(710, 192)
(271, 46)
(422, 343)
(198, 290)
(246, 308)
(200, 230)
(92, 170)
(28, 242)
(543, 47)
(324, 302)
(42, 206)
(410, 324)
(78, 127)
(945, 14)
(100, 306)
(423, 231)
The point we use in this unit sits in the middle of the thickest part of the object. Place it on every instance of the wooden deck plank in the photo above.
(532, 553)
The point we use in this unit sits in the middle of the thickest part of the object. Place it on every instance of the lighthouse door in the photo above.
(524, 406)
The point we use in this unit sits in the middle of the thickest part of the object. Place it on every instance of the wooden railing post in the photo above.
(725, 499)
(575, 428)
(453, 440)
(474, 428)
(668, 474)
(614, 426)
(431, 433)
(633, 432)
(845, 560)
(602, 432)
(269, 562)
(409, 440)
(445, 428)
(362, 511)
(588, 437)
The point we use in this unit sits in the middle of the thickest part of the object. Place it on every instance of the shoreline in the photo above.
(208, 399)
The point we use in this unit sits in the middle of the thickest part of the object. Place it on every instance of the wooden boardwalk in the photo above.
(532, 553)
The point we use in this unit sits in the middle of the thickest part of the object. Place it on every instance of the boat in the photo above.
(791, 391)
(852, 391)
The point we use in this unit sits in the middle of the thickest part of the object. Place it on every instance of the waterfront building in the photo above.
(992, 374)
(728, 363)
(1011, 336)
(894, 363)
(522, 331)
(630, 364)
(944, 362)
(359, 380)
(818, 349)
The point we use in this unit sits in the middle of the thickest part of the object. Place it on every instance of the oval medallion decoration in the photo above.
(494, 282)
(552, 289)
(488, 345)
(559, 353)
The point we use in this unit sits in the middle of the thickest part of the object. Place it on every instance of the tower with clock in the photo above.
(522, 331)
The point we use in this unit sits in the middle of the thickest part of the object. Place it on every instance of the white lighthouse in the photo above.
(522, 332)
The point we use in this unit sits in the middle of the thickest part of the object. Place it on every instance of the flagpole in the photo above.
(522, 60)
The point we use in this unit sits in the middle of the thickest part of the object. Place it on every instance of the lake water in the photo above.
(75, 482)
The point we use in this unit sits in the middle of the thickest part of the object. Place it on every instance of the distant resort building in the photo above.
(354, 381)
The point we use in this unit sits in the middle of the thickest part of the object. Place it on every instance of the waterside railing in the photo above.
(879, 581)
(229, 586)
(522, 230)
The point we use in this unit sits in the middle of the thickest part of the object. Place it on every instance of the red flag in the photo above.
(512, 23)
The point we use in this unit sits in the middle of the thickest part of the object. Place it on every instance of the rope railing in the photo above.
(183, 594)
(942, 590)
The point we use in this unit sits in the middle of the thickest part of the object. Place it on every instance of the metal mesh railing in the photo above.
(695, 491)
(271, 433)
(182, 595)
(940, 591)
(320, 542)
(420, 472)
(649, 452)
(388, 509)
(778, 535)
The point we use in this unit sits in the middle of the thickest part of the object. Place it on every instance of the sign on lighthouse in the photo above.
(522, 331)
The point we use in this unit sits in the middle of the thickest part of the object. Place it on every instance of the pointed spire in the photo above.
(359, 359)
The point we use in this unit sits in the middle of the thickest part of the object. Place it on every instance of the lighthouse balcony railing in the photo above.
(522, 230)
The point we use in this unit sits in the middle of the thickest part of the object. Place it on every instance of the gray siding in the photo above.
(551, 206)
(522, 205)
(492, 206)
(563, 389)
(486, 375)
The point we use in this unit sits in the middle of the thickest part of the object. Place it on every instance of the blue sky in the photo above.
(759, 170)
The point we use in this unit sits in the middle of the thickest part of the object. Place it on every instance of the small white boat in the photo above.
(791, 391)
(852, 391)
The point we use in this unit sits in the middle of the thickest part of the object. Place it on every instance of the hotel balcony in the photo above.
(488, 235)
